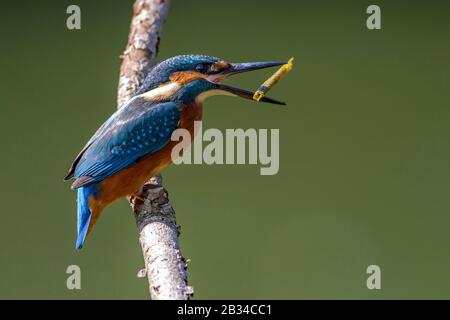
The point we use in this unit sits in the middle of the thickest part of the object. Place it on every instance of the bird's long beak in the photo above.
(236, 68)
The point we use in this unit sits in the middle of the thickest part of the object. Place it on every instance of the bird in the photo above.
(134, 143)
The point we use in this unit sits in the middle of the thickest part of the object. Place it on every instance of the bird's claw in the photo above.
(133, 197)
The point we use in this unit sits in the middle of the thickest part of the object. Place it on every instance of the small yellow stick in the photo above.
(269, 83)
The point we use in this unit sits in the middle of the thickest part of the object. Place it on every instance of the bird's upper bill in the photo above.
(217, 71)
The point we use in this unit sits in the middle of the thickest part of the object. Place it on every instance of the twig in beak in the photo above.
(269, 83)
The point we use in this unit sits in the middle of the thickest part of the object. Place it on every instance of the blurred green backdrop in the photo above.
(364, 151)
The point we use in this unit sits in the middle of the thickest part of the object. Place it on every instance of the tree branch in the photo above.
(165, 267)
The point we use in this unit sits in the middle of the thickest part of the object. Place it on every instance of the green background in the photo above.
(364, 151)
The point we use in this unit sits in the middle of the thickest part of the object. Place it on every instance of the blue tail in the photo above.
(84, 212)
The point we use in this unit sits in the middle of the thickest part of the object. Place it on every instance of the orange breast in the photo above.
(131, 179)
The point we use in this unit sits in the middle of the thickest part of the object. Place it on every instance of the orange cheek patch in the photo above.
(185, 76)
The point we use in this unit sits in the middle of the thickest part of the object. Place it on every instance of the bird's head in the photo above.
(192, 78)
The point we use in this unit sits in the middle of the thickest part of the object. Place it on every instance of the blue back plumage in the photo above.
(136, 130)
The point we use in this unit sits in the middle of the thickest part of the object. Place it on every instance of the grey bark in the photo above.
(165, 267)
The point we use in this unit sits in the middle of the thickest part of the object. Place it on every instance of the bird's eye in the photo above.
(201, 67)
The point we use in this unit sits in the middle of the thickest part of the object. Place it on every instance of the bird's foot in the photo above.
(135, 196)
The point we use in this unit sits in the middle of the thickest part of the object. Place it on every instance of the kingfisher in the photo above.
(135, 143)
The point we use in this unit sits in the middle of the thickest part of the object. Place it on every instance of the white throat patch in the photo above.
(162, 92)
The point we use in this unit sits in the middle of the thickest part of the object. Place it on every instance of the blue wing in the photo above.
(138, 129)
